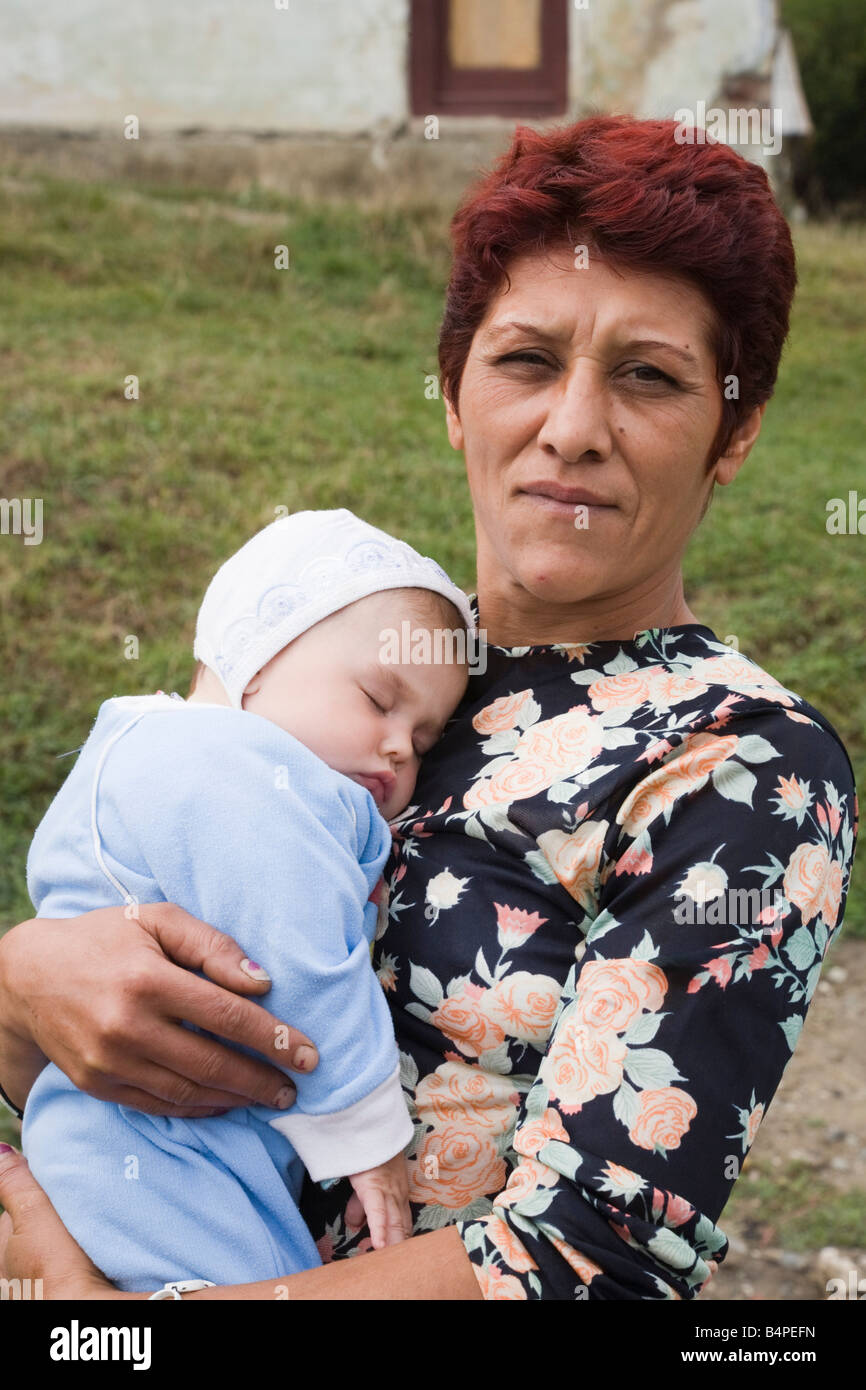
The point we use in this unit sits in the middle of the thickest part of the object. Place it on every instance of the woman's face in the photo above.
(587, 408)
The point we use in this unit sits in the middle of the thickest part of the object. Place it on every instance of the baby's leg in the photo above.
(153, 1200)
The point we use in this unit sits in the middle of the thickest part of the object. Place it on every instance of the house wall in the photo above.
(330, 65)
(649, 57)
(326, 81)
(337, 66)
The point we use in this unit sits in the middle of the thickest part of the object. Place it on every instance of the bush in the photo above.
(829, 40)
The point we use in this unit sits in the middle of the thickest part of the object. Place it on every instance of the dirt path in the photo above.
(818, 1121)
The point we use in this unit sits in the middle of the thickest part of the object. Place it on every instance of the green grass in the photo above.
(796, 1209)
(305, 388)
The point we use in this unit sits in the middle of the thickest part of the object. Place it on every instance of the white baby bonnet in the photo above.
(294, 573)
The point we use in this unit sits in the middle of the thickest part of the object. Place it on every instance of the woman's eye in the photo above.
(655, 374)
(533, 359)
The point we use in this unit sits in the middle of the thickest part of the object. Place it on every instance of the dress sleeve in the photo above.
(715, 887)
(243, 827)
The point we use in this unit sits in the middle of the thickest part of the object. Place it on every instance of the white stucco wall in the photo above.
(332, 65)
(650, 57)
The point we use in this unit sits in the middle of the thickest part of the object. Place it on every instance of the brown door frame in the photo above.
(435, 87)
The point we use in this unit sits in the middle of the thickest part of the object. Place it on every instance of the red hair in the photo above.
(644, 202)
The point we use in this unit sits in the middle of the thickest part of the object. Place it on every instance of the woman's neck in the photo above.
(513, 617)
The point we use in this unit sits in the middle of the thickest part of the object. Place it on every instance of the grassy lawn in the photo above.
(306, 388)
(798, 1210)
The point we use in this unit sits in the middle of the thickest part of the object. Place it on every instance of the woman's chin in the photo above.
(565, 586)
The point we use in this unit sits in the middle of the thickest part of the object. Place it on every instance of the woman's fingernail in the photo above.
(6, 1149)
(255, 971)
(305, 1059)
(285, 1097)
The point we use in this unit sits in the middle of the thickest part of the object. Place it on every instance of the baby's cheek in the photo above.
(404, 790)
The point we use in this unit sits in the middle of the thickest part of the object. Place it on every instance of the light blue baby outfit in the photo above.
(229, 816)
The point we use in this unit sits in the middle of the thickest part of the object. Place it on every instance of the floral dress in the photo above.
(604, 920)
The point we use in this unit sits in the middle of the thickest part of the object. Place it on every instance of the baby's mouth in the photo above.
(380, 785)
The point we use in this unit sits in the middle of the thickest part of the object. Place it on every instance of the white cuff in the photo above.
(362, 1136)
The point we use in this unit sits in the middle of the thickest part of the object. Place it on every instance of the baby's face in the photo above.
(366, 717)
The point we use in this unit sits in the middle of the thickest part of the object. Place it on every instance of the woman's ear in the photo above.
(455, 429)
(728, 464)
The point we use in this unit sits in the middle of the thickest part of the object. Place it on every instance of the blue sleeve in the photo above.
(245, 828)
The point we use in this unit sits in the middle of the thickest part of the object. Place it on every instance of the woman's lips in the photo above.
(566, 501)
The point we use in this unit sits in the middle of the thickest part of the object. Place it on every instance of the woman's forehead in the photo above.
(548, 295)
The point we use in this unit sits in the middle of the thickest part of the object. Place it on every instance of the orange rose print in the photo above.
(459, 1093)
(697, 758)
(463, 1018)
(731, 670)
(667, 689)
(498, 1286)
(806, 880)
(502, 1236)
(534, 1134)
(663, 1118)
(577, 737)
(520, 779)
(629, 688)
(556, 748)
(453, 1166)
(583, 1062)
(833, 895)
(575, 858)
(699, 755)
(649, 799)
(524, 1179)
(523, 1005)
(612, 993)
(586, 1270)
(502, 715)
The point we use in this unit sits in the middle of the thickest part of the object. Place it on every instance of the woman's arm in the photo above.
(101, 995)
(430, 1266)
(34, 1244)
(21, 1058)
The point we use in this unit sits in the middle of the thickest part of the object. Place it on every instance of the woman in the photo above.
(607, 914)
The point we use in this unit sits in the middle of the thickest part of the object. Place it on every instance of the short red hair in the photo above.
(644, 202)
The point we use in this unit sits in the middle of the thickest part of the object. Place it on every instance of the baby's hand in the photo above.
(384, 1196)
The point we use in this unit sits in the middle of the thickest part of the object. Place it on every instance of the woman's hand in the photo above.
(103, 996)
(35, 1244)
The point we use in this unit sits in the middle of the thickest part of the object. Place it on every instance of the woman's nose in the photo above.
(576, 423)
